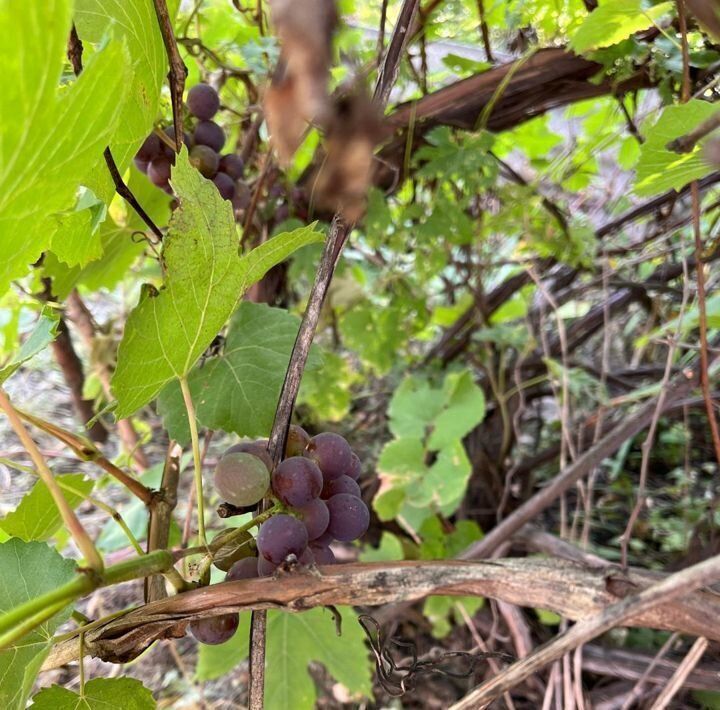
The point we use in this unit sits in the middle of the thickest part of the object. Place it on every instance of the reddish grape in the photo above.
(323, 554)
(243, 196)
(297, 481)
(315, 516)
(307, 557)
(331, 453)
(225, 185)
(141, 165)
(247, 568)
(215, 629)
(205, 160)
(203, 101)
(325, 539)
(233, 165)
(256, 448)
(150, 149)
(349, 517)
(344, 484)
(159, 171)
(280, 536)
(170, 133)
(297, 440)
(241, 478)
(210, 134)
(355, 467)
(265, 568)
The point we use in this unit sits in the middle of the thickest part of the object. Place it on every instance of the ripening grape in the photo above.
(297, 481)
(323, 554)
(159, 171)
(307, 557)
(210, 134)
(297, 440)
(205, 160)
(349, 517)
(355, 468)
(203, 101)
(325, 540)
(246, 568)
(243, 196)
(265, 568)
(256, 448)
(241, 478)
(150, 149)
(215, 629)
(280, 536)
(331, 453)
(344, 484)
(233, 165)
(225, 185)
(141, 165)
(170, 133)
(315, 516)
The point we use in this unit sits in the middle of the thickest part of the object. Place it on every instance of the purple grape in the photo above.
(355, 468)
(225, 185)
(344, 484)
(150, 149)
(170, 133)
(247, 568)
(243, 196)
(233, 165)
(214, 630)
(210, 134)
(265, 568)
(159, 171)
(256, 448)
(280, 536)
(297, 440)
(203, 101)
(241, 478)
(205, 160)
(307, 557)
(297, 481)
(282, 213)
(323, 554)
(324, 540)
(315, 516)
(331, 453)
(141, 165)
(349, 517)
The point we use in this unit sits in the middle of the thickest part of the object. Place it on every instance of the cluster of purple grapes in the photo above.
(207, 139)
(316, 483)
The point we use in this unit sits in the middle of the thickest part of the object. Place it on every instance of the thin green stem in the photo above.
(197, 460)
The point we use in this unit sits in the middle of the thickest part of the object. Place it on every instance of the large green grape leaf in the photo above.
(37, 517)
(51, 136)
(134, 23)
(98, 694)
(27, 570)
(293, 640)
(660, 169)
(76, 241)
(615, 20)
(204, 279)
(413, 407)
(41, 336)
(238, 390)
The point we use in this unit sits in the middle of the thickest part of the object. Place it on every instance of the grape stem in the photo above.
(197, 461)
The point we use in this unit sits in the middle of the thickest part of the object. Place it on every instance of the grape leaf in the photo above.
(98, 694)
(51, 137)
(37, 517)
(238, 390)
(413, 407)
(41, 336)
(27, 570)
(134, 23)
(464, 409)
(660, 169)
(615, 20)
(293, 640)
(204, 278)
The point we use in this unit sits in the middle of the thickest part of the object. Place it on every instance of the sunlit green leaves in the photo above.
(51, 136)
(614, 21)
(97, 694)
(237, 390)
(27, 570)
(204, 280)
(660, 169)
(41, 336)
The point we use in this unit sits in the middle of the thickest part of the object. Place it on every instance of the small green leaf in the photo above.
(548, 618)
(660, 169)
(238, 390)
(390, 549)
(98, 694)
(37, 517)
(413, 407)
(204, 279)
(615, 20)
(42, 335)
(27, 570)
(76, 241)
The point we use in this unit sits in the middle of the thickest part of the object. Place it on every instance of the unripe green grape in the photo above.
(241, 478)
